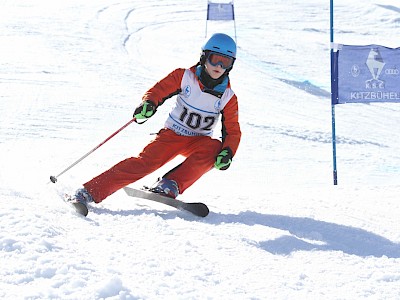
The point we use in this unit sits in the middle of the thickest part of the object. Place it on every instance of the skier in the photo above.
(203, 94)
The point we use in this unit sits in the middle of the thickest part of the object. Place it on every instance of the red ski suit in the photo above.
(199, 149)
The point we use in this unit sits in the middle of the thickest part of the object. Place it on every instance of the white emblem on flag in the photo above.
(375, 66)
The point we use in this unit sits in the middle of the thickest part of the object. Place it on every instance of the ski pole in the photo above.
(53, 179)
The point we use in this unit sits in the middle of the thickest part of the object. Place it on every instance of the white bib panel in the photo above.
(196, 113)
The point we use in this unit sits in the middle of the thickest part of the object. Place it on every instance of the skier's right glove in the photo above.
(144, 111)
(224, 159)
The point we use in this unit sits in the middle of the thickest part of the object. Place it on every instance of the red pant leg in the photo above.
(161, 150)
(200, 157)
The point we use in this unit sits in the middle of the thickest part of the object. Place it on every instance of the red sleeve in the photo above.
(165, 88)
(231, 133)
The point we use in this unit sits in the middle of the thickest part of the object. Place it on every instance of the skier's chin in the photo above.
(215, 74)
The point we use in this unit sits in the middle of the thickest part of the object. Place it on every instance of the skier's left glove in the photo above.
(224, 159)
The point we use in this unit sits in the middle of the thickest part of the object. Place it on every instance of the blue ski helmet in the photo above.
(221, 43)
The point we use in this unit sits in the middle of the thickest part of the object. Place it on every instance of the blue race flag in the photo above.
(220, 11)
(363, 74)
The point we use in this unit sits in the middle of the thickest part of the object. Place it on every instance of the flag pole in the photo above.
(335, 182)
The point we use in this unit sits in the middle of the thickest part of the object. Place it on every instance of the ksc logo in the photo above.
(187, 91)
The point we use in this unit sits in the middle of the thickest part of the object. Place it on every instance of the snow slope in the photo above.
(71, 74)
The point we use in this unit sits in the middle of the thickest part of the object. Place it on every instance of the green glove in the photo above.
(145, 110)
(224, 159)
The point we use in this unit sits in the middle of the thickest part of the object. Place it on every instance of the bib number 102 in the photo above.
(195, 120)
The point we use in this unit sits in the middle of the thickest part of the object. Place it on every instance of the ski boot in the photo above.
(166, 187)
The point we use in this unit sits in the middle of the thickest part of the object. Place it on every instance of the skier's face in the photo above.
(214, 71)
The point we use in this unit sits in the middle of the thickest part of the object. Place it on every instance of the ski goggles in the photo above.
(216, 59)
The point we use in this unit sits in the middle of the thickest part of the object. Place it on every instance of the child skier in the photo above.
(203, 93)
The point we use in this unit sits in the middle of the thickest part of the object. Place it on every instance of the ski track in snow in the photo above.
(72, 73)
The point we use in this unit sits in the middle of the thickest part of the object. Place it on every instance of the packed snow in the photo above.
(71, 74)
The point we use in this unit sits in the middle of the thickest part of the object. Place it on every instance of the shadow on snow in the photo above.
(305, 234)
(308, 234)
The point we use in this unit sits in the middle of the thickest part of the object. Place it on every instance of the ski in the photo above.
(80, 208)
(196, 208)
